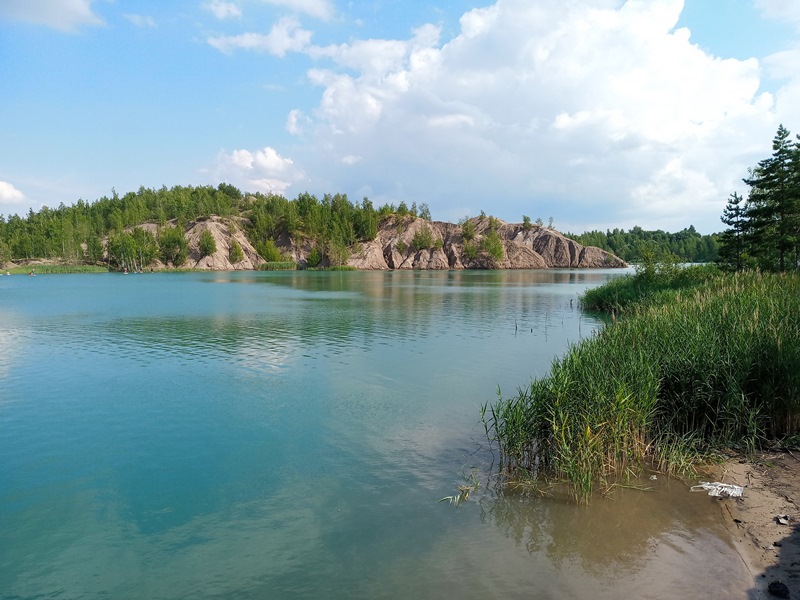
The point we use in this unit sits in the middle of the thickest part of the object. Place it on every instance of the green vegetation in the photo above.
(468, 230)
(173, 245)
(235, 255)
(492, 245)
(207, 244)
(423, 239)
(764, 229)
(526, 223)
(57, 269)
(631, 246)
(698, 362)
(654, 283)
(286, 265)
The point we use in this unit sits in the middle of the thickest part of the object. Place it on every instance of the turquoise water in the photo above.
(288, 435)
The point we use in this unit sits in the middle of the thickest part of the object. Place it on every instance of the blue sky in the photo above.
(598, 113)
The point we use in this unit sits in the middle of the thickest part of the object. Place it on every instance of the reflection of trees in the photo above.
(333, 310)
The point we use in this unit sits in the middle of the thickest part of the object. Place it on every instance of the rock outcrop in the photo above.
(406, 243)
(534, 247)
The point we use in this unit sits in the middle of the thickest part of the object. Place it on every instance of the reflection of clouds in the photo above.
(249, 552)
(10, 344)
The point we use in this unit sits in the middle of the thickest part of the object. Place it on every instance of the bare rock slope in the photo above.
(394, 247)
(534, 247)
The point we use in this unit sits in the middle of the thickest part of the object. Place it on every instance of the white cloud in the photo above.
(9, 194)
(595, 108)
(262, 170)
(66, 15)
(321, 9)
(223, 10)
(297, 122)
(781, 10)
(141, 20)
(285, 36)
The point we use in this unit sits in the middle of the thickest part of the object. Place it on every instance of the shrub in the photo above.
(269, 251)
(492, 245)
(174, 247)
(423, 239)
(468, 230)
(207, 244)
(236, 255)
(314, 258)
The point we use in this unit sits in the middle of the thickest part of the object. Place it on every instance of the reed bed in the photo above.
(715, 364)
(55, 269)
(279, 266)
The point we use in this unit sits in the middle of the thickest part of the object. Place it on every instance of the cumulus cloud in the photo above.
(593, 108)
(285, 36)
(320, 9)
(9, 194)
(66, 15)
(223, 10)
(262, 170)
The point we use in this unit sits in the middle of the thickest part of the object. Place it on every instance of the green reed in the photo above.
(713, 364)
(54, 269)
(286, 265)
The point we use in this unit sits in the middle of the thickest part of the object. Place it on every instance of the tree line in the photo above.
(637, 244)
(764, 228)
(108, 230)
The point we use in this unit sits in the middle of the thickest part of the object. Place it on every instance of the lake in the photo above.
(288, 435)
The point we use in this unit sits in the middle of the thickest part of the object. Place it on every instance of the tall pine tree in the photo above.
(772, 207)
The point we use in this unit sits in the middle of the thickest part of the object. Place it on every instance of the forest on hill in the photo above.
(110, 230)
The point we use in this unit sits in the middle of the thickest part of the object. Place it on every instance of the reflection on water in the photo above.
(250, 435)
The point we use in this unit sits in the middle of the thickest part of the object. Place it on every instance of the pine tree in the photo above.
(772, 208)
(732, 240)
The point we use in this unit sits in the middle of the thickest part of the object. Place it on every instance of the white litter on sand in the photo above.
(723, 490)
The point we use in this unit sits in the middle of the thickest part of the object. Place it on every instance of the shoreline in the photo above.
(764, 524)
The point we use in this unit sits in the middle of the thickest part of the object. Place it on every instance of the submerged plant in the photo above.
(470, 484)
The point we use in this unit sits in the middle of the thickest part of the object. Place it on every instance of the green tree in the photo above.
(732, 240)
(492, 245)
(207, 244)
(526, 223)
(173, 245)
(773, 207)
(425, 212)
(235, 255)
(423, 239)
(468, 230)
(314, 258)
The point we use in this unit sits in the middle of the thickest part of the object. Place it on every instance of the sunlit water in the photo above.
(288, 435)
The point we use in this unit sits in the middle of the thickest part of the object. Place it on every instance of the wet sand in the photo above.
(765, 521)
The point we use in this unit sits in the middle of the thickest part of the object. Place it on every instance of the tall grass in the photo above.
(283, 265)
(685, 371)
(55, 269)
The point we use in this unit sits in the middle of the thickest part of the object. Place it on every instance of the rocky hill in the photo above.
(534, 247)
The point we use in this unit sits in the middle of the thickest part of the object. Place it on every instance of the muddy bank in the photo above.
(765, 522)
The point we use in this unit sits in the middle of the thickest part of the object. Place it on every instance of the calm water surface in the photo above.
(288, 435)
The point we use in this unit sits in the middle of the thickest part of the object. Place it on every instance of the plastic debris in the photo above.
(722, 490)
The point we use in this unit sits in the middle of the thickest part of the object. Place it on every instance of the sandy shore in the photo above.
(765, 522)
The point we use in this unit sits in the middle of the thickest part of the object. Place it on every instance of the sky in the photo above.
(595, 113)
